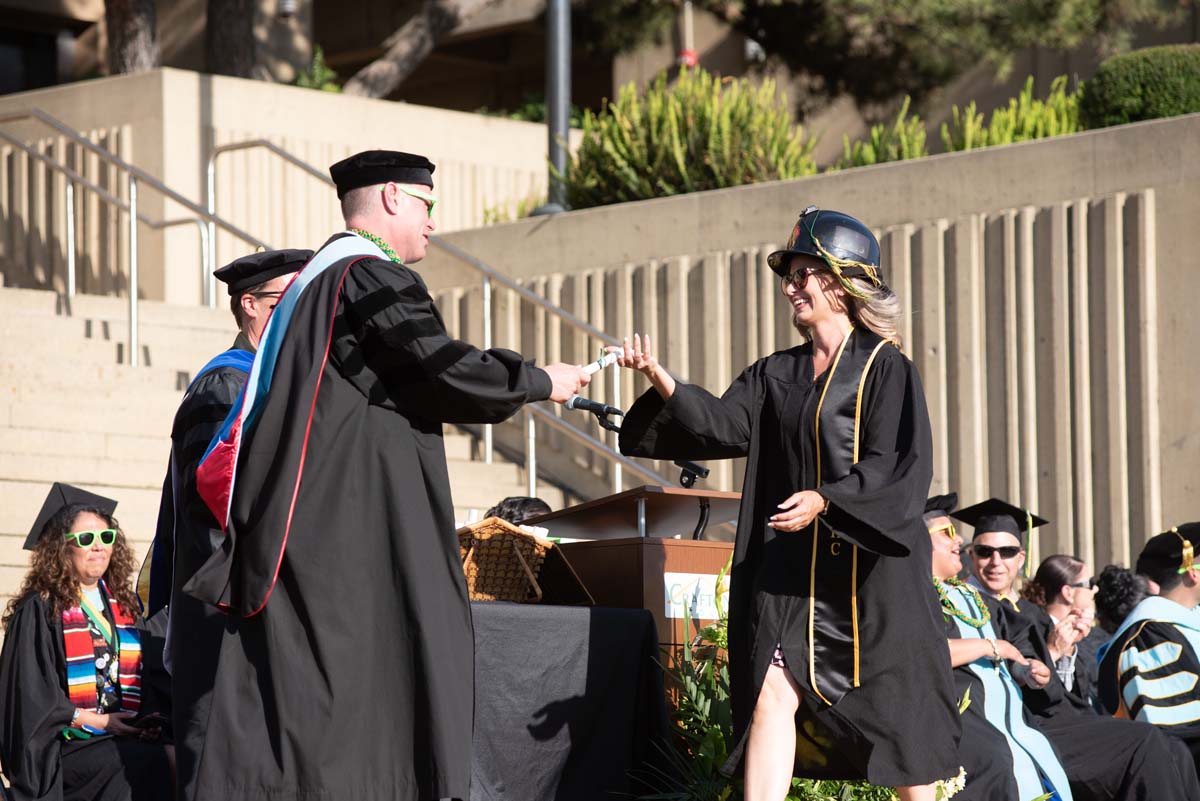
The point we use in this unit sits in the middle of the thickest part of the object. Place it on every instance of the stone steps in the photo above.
(70, 411)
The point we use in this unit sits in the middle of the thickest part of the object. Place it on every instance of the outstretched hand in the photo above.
(638, 355)
(566, 380)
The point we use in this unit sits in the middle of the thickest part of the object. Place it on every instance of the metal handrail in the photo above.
(533, 410)
(74, 178)
(490, 272)
(135, 175)
(489, 275)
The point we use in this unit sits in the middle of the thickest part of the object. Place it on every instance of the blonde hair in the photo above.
(880, 310)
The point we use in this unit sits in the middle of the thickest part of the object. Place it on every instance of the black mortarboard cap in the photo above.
(1170, 551)
(997, 515)
(373, 167)
(258, 268)
(61, 495)
(941, 504)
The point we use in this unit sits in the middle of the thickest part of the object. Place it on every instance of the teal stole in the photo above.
(1032, 755)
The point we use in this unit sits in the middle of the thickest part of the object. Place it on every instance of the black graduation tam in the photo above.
(258, 268)
(65, 495)
(1170, 551)
(372, 167)
(997, 515)
(940, 505)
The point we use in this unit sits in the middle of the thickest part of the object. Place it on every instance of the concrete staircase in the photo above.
(70, 411)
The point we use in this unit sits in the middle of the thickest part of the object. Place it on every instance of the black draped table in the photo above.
(568, 700)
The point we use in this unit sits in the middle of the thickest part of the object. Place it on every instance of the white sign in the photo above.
(698, 591)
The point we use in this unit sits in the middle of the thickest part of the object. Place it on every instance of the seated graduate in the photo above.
(70, 669)
(1065, 592)
(1149, 669)
(1118, 591)
(1104, 758)
(998, 560)
(1005, 758)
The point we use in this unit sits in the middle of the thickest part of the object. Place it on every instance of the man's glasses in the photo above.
(430, 200)
(84, 539)
(261, 295)
(1005, 551)
(948, 529)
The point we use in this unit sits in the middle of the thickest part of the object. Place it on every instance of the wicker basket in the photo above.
(501, 561)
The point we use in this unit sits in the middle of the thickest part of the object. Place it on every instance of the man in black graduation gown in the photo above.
(347, 668)
(183, 541)
(1104, 758)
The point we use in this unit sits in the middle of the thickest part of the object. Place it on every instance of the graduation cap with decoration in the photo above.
(847, 247)
(997, 515)
(372, 167)
(1173, 550)
(60, 496)
(258, 268)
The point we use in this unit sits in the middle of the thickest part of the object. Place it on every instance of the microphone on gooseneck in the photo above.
(595, 407)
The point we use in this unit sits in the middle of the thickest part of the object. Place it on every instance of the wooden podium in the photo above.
(640, 553)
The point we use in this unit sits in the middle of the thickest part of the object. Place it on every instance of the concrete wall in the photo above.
(167, 120)
(1048, 295)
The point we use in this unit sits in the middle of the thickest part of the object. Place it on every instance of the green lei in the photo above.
(951, 609)
(384, 246)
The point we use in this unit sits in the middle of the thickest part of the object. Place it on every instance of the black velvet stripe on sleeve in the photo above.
(445, 357)
(408, 331)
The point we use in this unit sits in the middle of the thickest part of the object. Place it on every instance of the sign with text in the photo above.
(696, 591)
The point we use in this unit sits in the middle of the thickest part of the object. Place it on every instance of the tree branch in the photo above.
(407, 47)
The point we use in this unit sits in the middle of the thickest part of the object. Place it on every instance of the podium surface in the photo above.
(647, 511)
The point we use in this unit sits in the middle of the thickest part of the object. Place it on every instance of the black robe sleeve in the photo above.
(181, 541)
(875, 504)
(692, 423)
(34, 706)
(398, 351)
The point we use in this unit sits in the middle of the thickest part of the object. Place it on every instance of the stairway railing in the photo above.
(135, 176)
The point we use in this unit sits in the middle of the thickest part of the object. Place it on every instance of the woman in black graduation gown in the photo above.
(838, 662)
(70, 670)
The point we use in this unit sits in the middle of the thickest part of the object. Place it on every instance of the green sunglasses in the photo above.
(430, 200)
(84, 539)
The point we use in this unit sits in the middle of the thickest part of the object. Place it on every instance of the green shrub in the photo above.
(699, 133)
(1143, 85)
(319, 75)
(1025, 117)
(903, 139)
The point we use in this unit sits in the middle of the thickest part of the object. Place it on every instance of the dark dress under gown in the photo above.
(851, 606)
(34, 709)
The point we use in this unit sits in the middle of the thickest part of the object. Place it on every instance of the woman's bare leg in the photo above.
(771, 751)
(922, 792)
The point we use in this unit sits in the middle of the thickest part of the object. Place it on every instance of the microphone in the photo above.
(595, 407)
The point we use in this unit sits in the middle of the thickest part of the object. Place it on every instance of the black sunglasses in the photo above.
(1005, 551)
(1090, 584)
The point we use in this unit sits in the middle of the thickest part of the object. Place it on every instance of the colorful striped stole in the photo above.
(81, 657)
